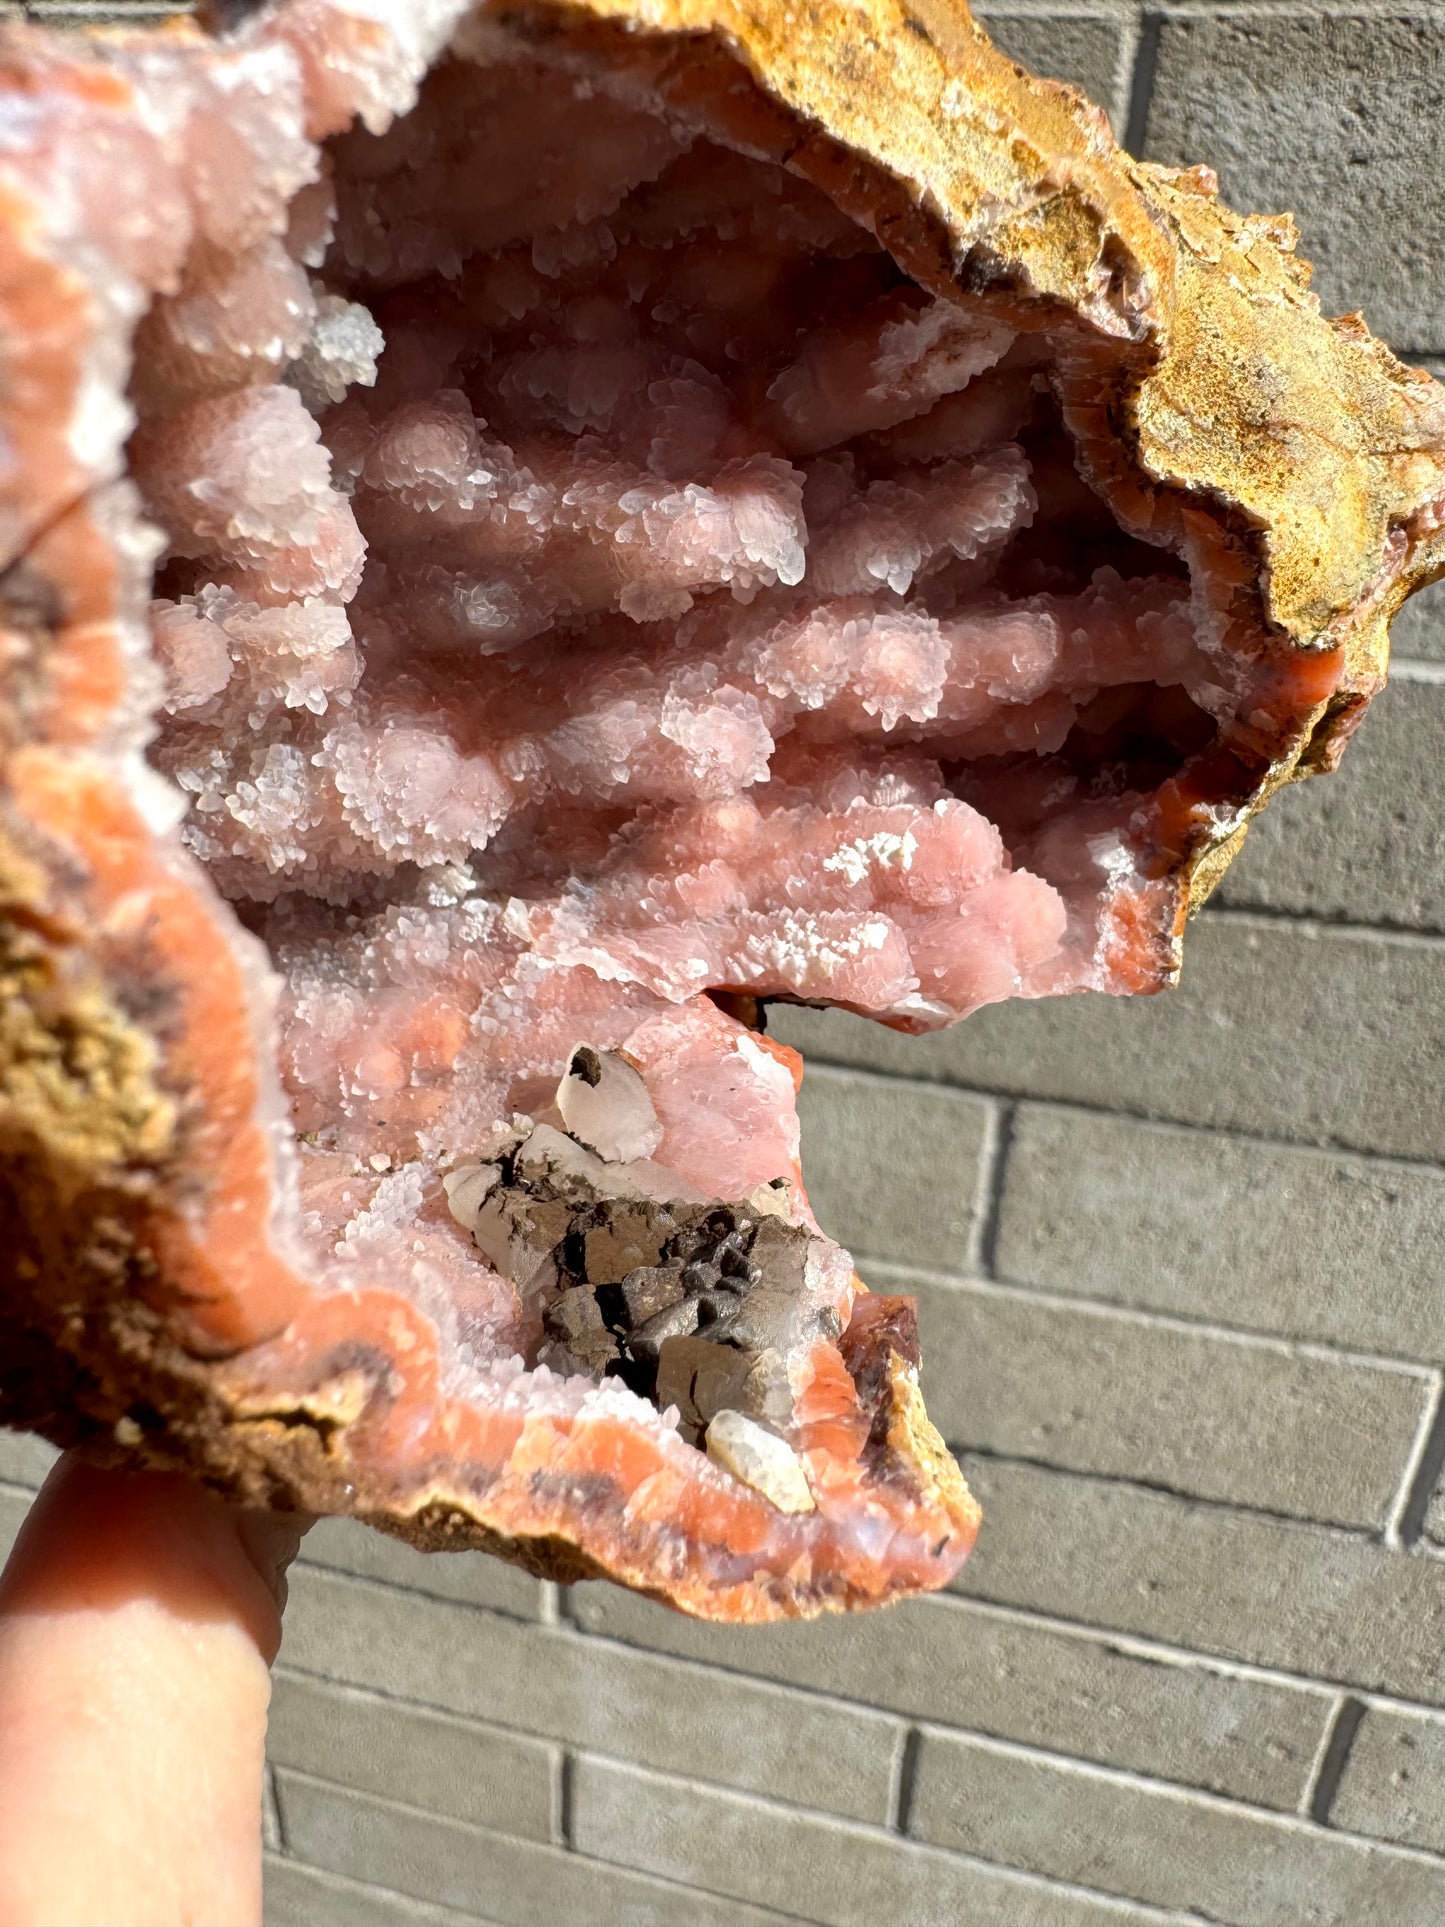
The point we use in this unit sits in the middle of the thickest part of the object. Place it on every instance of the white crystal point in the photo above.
(467, 1189)
(555, 1156)
(760, 1459)
(773, 1200)
(605, 1105)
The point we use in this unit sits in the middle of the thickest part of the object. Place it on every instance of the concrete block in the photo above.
(516, 1883)
(1307, 1599)
(555, 1684)
(1157, 1844)
(1331, 112)
(1248, 1421)
(1088, 47)
(1294, 1031)
(297, 1896)
(1367, 845)
(895, 1169)
(1393, 1785)
(1418, 632)
(816, 1867)
(1267, 1237)
(467, 1771)
(24, 1458)
(1068, 1689)
(343, 1545)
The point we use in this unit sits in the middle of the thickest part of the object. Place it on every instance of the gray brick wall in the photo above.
(1181, 1271)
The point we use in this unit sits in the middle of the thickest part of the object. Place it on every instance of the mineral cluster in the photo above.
(528, 533)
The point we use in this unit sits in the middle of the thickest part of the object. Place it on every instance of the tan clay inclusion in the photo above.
(530, 533)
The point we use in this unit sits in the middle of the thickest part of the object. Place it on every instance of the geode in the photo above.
(529, 532)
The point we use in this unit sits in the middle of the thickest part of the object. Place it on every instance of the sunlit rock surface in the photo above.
(523, 544)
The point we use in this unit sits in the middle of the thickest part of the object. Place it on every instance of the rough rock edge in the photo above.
(924, 104)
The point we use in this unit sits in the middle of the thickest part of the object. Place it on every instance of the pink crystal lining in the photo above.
(594, 576)
(631, 587)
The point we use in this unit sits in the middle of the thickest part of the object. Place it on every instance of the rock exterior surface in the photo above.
(528, 533)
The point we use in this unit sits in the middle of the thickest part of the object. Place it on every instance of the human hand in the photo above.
(139, 1616)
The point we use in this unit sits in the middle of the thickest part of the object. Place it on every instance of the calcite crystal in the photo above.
(528, 533)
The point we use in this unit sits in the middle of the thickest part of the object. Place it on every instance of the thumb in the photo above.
(139, 1615)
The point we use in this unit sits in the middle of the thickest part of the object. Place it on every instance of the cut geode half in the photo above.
(528, 533)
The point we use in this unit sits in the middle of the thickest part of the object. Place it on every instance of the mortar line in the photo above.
(1129, 1645)
(1331, 1760)
(894, 1273)
(1095, 11)
(1317, 923)
(1150, 1647)
(411, 1589)
(1416, 669)
(1125, 65)
(350, 1884)
(558, 1735)
(1141, 1645)
(1133, 1113)
(900, 1802)
(1153, 1651)
(563, 1809)
(1141, 81)
(1360, 1535)
(997, 1143)
(1165, 1652)
(1422, 1475)
(1065, 1763)
(273, 1826)
(680, 1887)
(899, 1810)
(1262, 9)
